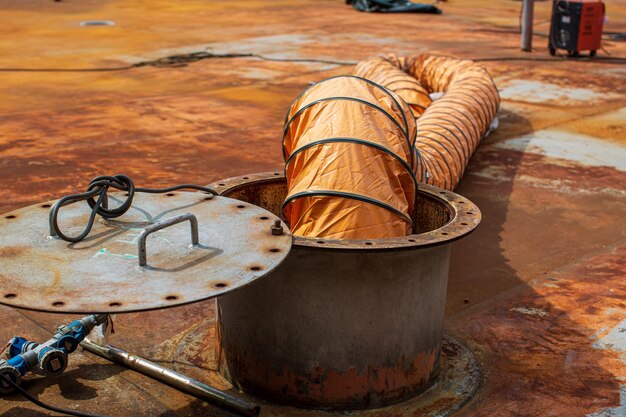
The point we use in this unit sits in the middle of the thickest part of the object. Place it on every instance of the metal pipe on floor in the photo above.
(173, 378)
(528, 11)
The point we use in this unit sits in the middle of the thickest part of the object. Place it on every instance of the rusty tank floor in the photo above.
(538, 292)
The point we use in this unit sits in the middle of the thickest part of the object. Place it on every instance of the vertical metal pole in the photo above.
(528, 12)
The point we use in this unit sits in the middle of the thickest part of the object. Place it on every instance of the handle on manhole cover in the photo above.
(162, 225)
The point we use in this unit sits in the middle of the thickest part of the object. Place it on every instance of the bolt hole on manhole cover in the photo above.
(97, 23)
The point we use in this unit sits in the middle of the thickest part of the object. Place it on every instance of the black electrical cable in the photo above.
(176, 61)
(99, 186)
(97, 69)
(615, 36)
(606, 35)
(41, 404)
(596, 59)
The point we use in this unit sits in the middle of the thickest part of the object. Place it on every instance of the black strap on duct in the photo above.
(392, 6)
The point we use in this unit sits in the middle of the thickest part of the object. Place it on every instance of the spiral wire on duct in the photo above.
(349, 143)
(448, 129)
(356, 147)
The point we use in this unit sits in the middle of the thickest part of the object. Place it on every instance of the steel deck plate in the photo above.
(102, 273)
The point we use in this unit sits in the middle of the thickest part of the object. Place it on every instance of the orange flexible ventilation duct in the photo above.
(349, 159)
(449, 130)
(354, 152)
(389, 72)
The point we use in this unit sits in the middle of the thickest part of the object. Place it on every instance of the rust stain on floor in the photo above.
(537, 291)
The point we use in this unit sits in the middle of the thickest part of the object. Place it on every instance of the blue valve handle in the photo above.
(19, 345)
(50, 357)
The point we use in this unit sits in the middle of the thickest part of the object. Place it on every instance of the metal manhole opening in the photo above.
(343, 324)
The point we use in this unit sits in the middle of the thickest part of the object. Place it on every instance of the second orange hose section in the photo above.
(450, 128)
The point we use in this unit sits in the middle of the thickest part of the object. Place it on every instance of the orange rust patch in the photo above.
(56, 279)
(13, 251)
(349, 388)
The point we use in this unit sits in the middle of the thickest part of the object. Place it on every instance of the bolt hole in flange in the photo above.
(46, 206)
(58, 304)
(264, 218)
(220, 285)
(170, 194)
(10, 216)
(115, 304)
(274, 250)
(10, 296)
(171, 298)
(255, 268)
(241, 206)
(97, 23)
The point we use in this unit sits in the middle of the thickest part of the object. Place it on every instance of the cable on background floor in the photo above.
(179, 61)
(558, 58)
(182, 60)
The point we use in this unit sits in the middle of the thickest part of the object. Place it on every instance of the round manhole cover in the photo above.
(103, 272)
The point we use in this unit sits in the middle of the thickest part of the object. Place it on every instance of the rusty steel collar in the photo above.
(464, 217)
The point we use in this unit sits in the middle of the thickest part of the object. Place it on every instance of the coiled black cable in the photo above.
(99, 186)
